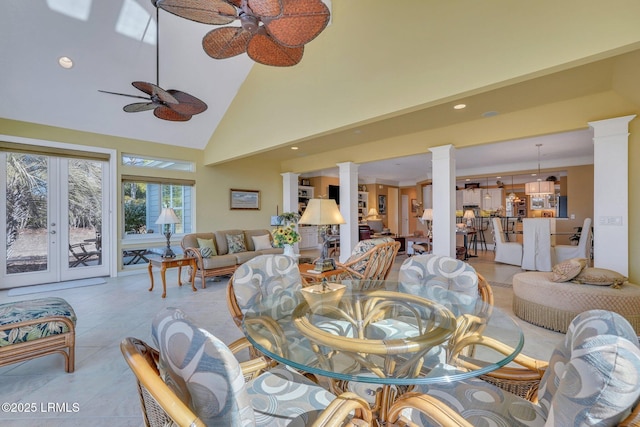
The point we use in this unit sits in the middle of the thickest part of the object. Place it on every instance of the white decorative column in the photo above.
(290, 197)
(443, 159)
(348, 172)
(289, 192)
(611, 193)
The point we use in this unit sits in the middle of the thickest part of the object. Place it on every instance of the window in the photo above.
(143, 202)
(157, 163)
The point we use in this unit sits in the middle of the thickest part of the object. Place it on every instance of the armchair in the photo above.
(506, 252)
(582, 250)
(199, 382)
(591, 379)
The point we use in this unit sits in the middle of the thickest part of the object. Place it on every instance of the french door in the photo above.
(54, 221)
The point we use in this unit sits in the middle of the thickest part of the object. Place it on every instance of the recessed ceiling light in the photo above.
(498, 177)
(294, 148)
(65, 62)
(489, 113)
(468, 179)
(459, 106)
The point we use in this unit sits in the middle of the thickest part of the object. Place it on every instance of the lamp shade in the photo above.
(168, 216)
(373, 213)
(321, 212)
(427, 215)
(468, 214)
(539, 187)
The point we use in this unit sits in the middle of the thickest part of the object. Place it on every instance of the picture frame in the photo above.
(244, 199)
(414, 205)
(382, 205)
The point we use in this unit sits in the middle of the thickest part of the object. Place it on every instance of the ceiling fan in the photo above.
(271, 32)
(172, 105)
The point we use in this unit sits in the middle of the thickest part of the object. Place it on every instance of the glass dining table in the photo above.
(380, 341)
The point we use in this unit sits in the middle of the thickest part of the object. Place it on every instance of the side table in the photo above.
(317, 277)
(165, 263)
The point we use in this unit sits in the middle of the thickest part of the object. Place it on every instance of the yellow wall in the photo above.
(212, 182)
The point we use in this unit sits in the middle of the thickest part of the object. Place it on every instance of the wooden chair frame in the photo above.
(373, 270)
(160, 404)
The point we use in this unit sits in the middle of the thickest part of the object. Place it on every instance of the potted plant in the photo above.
(285, 236)
(288, 217)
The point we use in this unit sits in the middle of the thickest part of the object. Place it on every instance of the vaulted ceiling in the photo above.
(379, 83)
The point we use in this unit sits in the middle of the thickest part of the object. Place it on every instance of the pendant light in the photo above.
(539, 187)
(487, 195)
(512, 196)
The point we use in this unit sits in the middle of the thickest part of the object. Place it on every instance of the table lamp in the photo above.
(372, 214)
(427, 215)
(166, 218)
(469, 216)
(323, 213)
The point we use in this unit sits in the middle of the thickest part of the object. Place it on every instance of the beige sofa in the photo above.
(224, 263)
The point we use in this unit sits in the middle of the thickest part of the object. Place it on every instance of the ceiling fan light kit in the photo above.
(271, 32)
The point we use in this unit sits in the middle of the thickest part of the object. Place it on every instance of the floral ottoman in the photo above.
(34, 328)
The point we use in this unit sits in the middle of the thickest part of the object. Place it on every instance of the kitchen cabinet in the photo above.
(472, 197)
(496, 200)
(308, 236)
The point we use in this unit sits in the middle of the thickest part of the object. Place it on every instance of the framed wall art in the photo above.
(382, 205)
(245, 199)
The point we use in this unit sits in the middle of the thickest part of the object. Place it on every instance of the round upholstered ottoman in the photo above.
(552, 305)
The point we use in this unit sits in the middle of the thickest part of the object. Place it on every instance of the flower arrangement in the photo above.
(285, 235)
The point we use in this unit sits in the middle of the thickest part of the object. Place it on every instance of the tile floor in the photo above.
(102, 391)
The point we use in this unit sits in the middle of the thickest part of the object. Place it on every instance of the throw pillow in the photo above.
(235, 242)
(261, 242)
(600, 276)
(206, 252)
(567, 270)
(207, 243)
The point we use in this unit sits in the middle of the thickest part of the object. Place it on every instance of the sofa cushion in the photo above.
(219, 261)
(567, 270)
(191, 240)
(235, 243)
(242, 257)
(207, 244)
(261, 242)
(600, 276)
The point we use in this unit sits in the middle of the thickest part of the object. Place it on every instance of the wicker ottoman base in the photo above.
(551, 305)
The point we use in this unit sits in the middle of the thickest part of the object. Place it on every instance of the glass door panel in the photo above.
(42, 193)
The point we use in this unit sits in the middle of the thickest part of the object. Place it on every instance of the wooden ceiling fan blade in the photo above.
(214, 12)
(123, 94)
(156, 92)
(166, 113)
(187, 104)
(263, 49)
(266, 8)
(139, 106)
(225, 42)
(301, 22)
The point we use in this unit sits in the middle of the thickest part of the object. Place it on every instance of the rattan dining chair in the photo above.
(261, 276)
(371, 259)
(195, 380)
(590, 379)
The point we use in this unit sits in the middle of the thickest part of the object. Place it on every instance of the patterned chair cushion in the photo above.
(268, 276)
(429, 275)
(593, 374)
(19, 311)
(206, 376)
(592, 379)
(201, 370)
(281, 397)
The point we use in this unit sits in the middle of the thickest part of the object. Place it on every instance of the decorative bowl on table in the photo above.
(323, 295)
